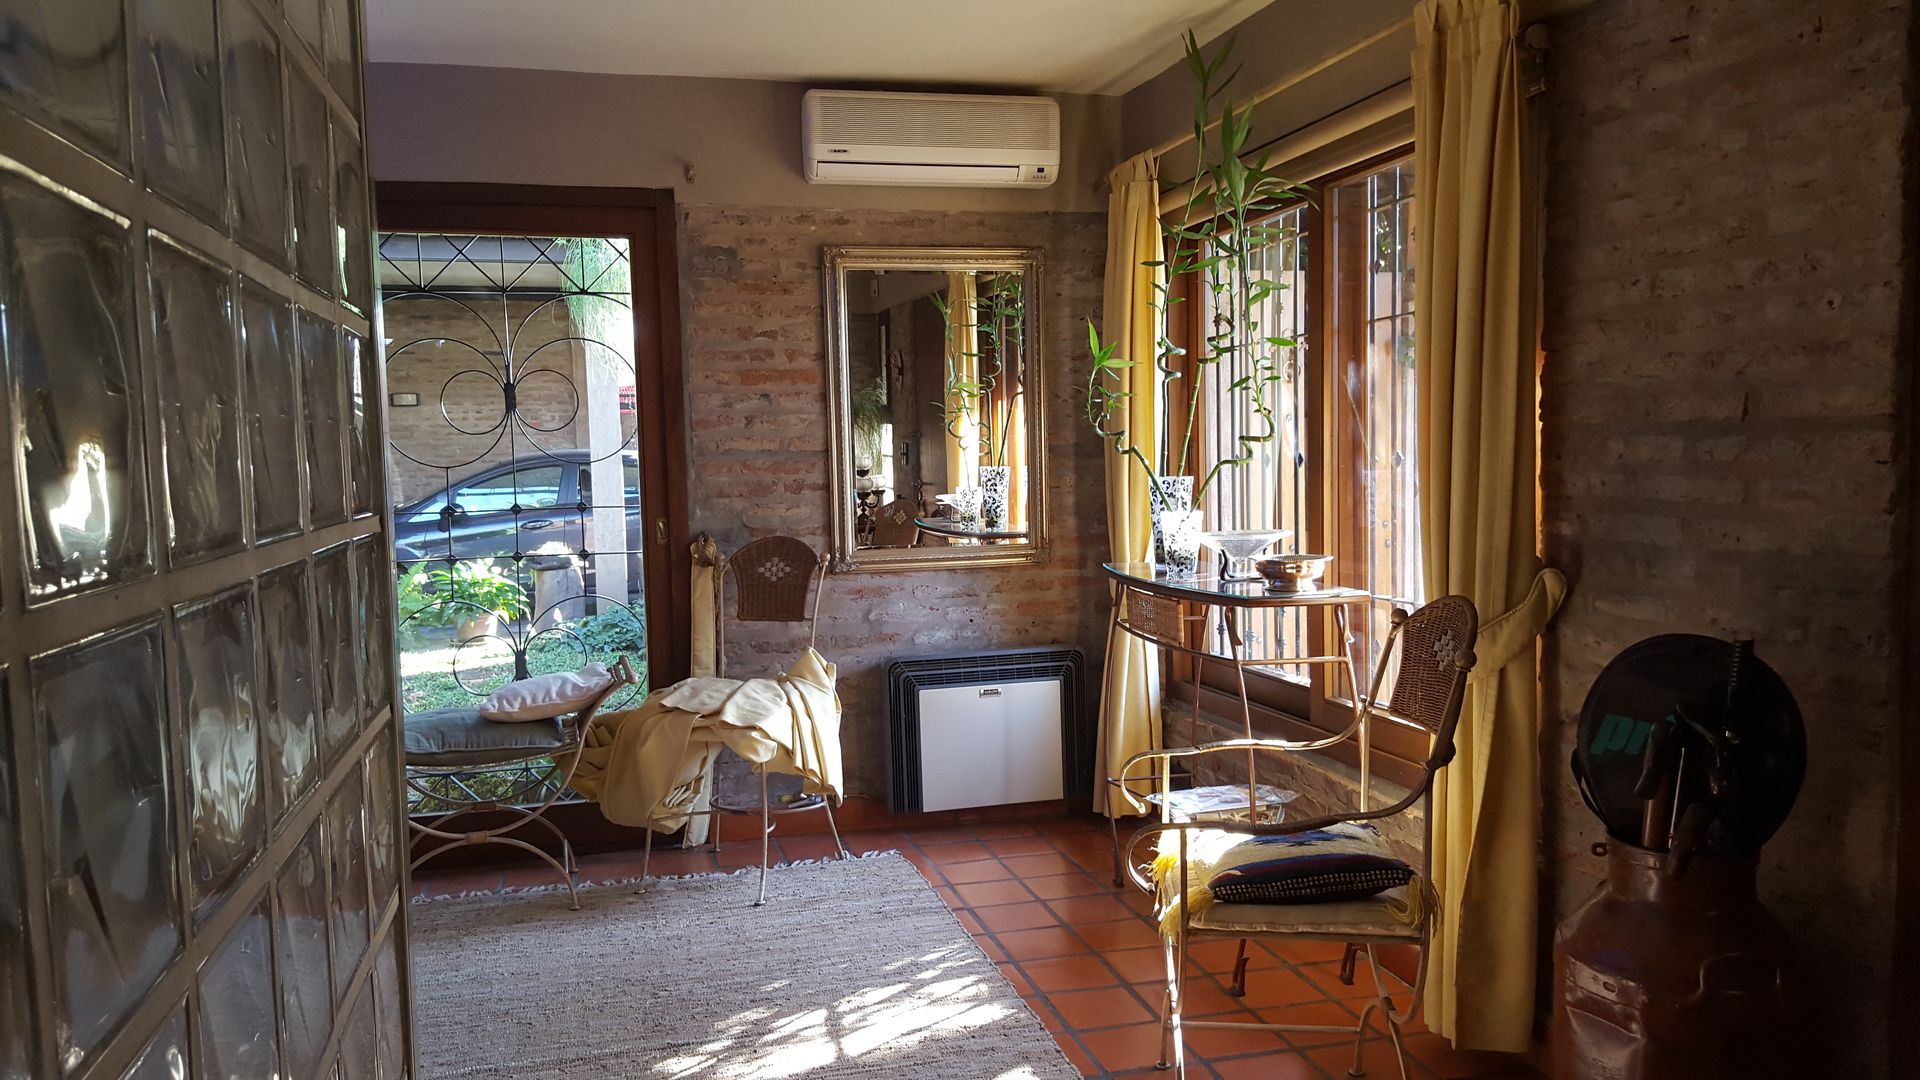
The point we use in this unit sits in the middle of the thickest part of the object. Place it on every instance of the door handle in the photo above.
(539, 523)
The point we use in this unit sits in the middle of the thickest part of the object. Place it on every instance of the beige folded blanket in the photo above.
(647, 766)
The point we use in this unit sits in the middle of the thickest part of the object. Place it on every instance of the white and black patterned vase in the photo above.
(993, 496)
(1176, 527)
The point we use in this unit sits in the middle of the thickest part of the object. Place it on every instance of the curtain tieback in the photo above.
(1506, 638)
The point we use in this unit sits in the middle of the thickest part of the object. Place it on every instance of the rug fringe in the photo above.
(652, 879)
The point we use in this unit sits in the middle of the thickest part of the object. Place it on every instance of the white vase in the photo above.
(993, 496)
(1171, 509)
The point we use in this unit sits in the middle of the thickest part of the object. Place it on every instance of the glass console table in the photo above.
(1156, 609)
(954, 530)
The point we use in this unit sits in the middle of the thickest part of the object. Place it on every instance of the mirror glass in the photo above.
(936, 403)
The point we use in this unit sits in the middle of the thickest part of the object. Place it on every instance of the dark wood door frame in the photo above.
(645, 217)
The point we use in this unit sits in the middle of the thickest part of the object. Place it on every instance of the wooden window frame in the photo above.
(1283, 707)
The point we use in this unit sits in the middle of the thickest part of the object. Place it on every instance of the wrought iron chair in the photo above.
(893, 524)
(1436, 653)
(445, 743)
(773, 577)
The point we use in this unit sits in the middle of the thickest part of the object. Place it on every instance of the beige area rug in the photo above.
(853, 969)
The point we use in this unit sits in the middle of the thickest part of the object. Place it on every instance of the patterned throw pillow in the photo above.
(1342, 862)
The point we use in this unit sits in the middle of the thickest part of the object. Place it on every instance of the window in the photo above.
(533, 488)
(1342, 473)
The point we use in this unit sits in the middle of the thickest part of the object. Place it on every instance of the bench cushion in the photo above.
(448, 738)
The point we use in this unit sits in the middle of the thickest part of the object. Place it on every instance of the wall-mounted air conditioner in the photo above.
(943, 140)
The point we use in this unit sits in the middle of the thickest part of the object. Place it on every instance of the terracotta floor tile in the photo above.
(462, 882)
(1278, 986)
(1327, 978)
(1091, 909)
(1053, 975)
(1000, 830)
(1219, 1042)
(1056, 886)
(1114, 936)
(860, 843)
(1083, 841)
(1040, 943)
(993, 950)
(987, 893)
(1439, 1055)
(1086, 1010)
(971, 921)
(1019, 845)
(1076, 1055)
(1377, 1058)
(980, 870)
(1004, 917)
(1039, 865)
(964, 851)
(1133, 1047)
(1305, 951)
(1324, 1014)
(1011, 972)
(1268, 1067)
(798, 848)
(1139, 965)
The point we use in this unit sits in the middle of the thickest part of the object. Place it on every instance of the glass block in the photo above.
(383, 822)
(347, 897)
(300, 943)
(304, 17)
(109, 841)
(66, 62)
(360, 1047)
(287, 707)
(256, 138)
(392, 1008)
(333, 645)
(355, 221)
(16, 1024)
(214, 639)
(312, 185)
(324, 398)
(363, 439)
(165, 1055)
(181, 125)
(343, 52)
(66, 284)
(199, 402)
(237, 1040)
(375, 636)
(273, 412)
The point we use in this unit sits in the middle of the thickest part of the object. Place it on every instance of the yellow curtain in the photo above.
(1477, 384)
(1016, 443)
(963, 364)
(1130, 696)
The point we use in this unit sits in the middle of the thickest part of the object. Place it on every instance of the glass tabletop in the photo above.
(1208, 588)
(947, 527)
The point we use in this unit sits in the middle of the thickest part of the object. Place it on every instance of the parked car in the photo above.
(476, 518)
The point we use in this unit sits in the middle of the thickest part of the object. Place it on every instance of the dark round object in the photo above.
(1684, 680)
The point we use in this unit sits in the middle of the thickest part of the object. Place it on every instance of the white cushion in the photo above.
(544, 697)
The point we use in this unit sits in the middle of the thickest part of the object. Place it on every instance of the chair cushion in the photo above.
(1223, 802)
(457, 737)
(544, 697)
(1391, 912)
(1347, 861)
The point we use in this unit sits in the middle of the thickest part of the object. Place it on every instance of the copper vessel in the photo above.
(1659, 977)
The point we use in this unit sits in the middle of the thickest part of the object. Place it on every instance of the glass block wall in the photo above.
(200, 860)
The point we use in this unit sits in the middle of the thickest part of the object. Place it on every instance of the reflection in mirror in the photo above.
(936, 406)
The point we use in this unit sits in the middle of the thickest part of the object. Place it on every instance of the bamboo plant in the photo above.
(1215, 239)
(1000, 316)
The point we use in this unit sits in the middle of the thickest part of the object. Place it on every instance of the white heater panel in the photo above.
(989, 745)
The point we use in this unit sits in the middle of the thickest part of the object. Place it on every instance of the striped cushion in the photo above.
(1342, 862)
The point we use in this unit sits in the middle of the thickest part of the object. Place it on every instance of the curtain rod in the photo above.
(1290, 81)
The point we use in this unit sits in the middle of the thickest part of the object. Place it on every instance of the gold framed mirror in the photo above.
(937, 412)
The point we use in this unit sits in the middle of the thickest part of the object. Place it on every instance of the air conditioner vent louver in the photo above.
(871, 137)
(884, 119)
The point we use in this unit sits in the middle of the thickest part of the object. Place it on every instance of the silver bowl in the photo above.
(1293, 573)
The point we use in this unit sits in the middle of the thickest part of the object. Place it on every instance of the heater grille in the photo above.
(908, 677)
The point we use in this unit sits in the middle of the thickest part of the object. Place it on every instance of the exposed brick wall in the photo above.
(755, 343)
(1725, 446)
